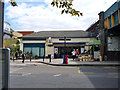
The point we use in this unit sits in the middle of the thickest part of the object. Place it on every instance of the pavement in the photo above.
(59, 62)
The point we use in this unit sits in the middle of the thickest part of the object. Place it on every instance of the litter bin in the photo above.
(63, 59)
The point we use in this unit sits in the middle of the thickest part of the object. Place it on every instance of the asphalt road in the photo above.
(45, 76)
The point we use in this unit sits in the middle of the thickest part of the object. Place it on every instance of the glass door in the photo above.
(42, 51)
(35, 51)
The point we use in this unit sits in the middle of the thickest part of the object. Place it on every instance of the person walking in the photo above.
(16, 55)
(73, 54)
(23, 57)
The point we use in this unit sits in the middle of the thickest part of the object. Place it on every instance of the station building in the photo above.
(112, 30)
(45, 43)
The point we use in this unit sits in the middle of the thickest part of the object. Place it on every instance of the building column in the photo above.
(21, 45)
(1, 22)
(119, 15)
(102, 38)
(108, 23)
(112, 18)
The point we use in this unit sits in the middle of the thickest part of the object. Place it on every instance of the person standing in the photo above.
(77, 53)
(30, 56)
(73, 54)
(23, 57)
(16, 55)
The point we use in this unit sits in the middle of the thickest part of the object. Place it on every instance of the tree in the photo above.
(13, 3)
(65, 4)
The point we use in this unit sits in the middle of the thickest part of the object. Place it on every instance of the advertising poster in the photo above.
(82, 50)
(56, 50)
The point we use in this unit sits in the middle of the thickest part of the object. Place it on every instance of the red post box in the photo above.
(66, 59)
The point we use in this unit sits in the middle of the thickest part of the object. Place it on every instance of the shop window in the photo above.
(27, 49)
(116, 19)
(35, 51)
(7, 36)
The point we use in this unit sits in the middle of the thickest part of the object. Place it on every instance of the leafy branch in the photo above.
(13, 3)
(67, 5)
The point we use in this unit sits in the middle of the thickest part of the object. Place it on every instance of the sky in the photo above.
(39, 15)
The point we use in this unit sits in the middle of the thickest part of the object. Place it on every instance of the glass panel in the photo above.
(35, 51)
(110, 22)
(41, 52)
(27, 49)
(7, 36)
(116, 18)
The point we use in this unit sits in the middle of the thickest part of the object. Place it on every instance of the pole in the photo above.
(13, 53)
(1, 22)
(64, 45)
(50, 58)
(43, 58)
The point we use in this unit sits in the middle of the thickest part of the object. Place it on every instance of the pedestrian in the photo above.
(73, 54)
(77, 53)
(30, 56)
(16, 55)
(23, 57)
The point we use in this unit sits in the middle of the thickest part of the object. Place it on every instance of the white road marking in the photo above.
(11, 71)
(57, 75)
(26, 74)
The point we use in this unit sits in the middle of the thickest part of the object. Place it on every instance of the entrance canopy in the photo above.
(94, 42)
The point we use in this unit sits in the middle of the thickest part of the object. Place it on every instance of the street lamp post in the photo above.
(13, 52)
(1, 22)
(64, 45)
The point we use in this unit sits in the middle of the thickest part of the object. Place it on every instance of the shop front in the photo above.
(61, 49)
(36, 49)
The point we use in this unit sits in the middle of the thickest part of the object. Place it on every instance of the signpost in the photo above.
(93, 43)
(65, 51)
(1, 22)
(4, 68)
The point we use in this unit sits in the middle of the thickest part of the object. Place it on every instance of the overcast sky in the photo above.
(39, 15)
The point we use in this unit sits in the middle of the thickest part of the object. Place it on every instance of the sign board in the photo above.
(56, 50)
(50, 40)
(95, 42)
(96, 54)
(4, 68)
(82, 50)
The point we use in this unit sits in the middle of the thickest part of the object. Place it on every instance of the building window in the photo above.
(7, 36)
(110, 20)
(116, 19)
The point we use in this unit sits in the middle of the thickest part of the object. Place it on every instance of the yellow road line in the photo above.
(79, 68)
(109, 67)
(114, 73)
(79, 71)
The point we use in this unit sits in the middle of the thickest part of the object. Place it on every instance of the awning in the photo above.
(94, 42)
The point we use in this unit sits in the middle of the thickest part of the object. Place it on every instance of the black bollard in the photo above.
(43, 58)
(50, 58)
(13, 57)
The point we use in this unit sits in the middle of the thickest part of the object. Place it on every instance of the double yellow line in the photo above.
(84, 72)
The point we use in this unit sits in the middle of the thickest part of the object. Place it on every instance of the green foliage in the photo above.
(67, 5)
(13, 3)
(36, 56)
(9, 42)
(17, 42)
(20, 52)
(27, 56)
